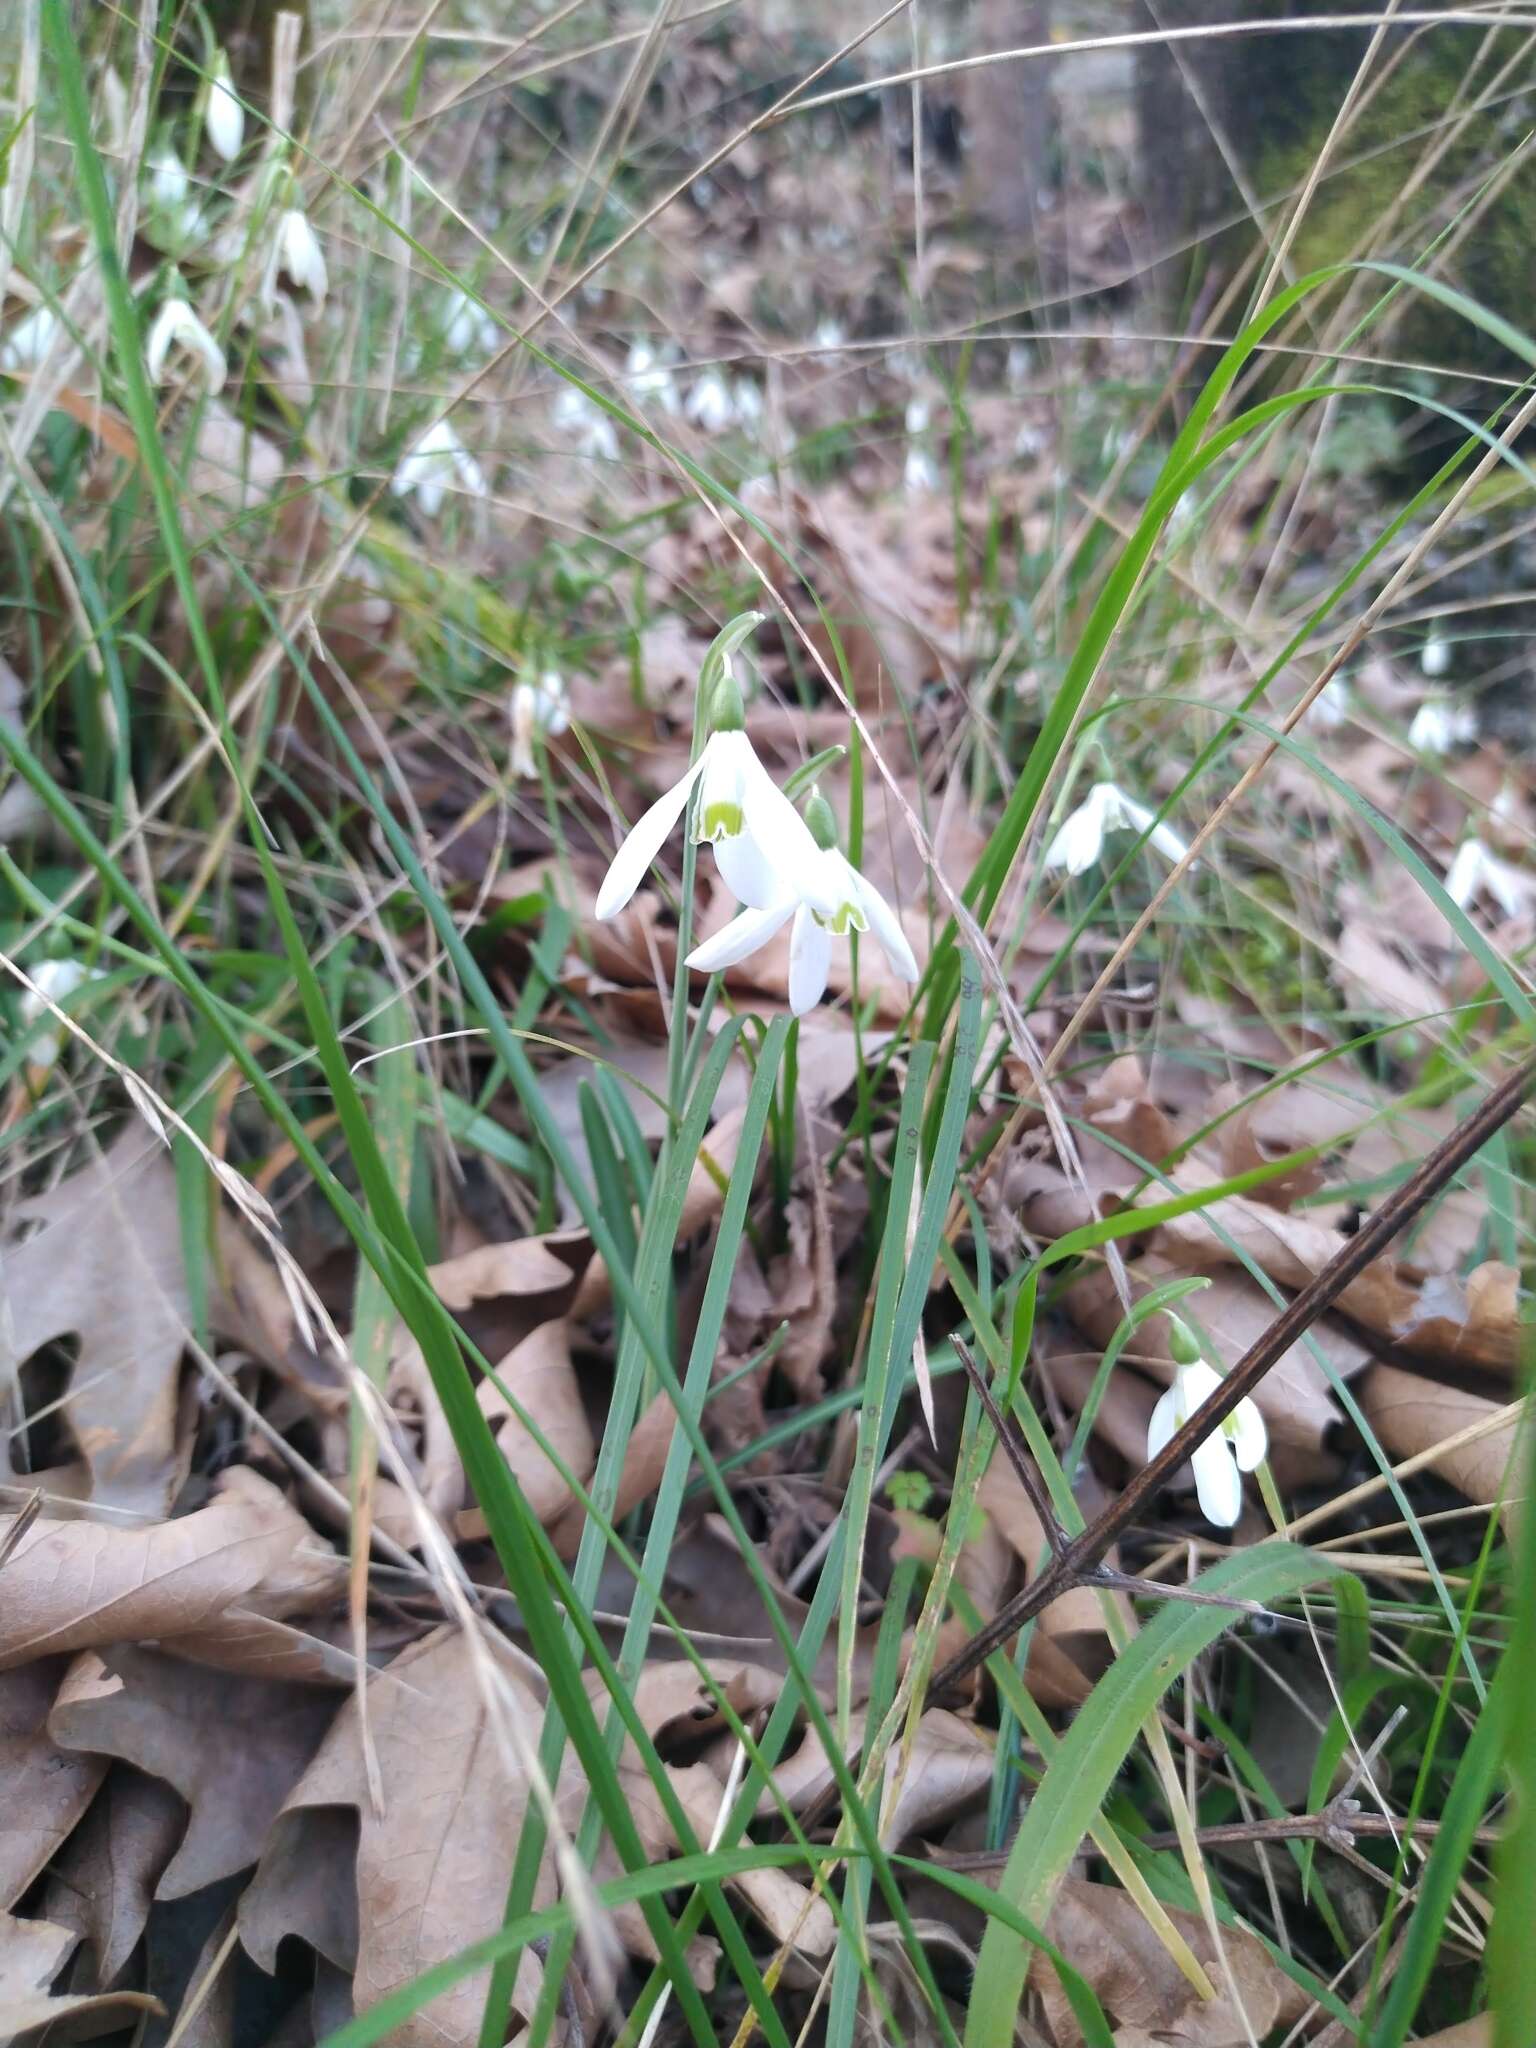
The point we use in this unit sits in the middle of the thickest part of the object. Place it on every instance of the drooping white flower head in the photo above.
(1332, 707)
(587, 424)
(1435, 657)
(469, 329)
(1239, 1445)
(53, 981)
(1476, 872)
(299, 252)
(828, 898)
(1080, 841)
(176, 326)
(169, 185)
(438, 462)
(649, 376)
(760, 841)
(1440, 724)
(30, 339)
(224, 117)
(709, 404)
(543, 706)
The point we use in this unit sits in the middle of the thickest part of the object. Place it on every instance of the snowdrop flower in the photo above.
(828, 898)
(29, 340)
(748, 401)
(709, 404)
(1080, 840)
(1331, 708)
(830, 336)
(761, 842)
(437, 462)
(169, 184)
(177, 326)
(1476, 871)
(1435, 657)
(648, 376)
(224, 117)
(470, 330)
(544, 707)
(1438, 725)
(299, 253)
(1239, 1445)
(587, 424)
(920, 473)
(57, 981)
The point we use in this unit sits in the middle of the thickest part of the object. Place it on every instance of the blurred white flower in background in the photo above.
(436, 464)
(469, 329)
(1476, 872)
(709, 404)
(298, 253)
(1238, 1445)
(1439, 724)
(223, 117)
(1435, 657)
(176, 326)
(920, 473)
(169, 184)
(538, 707)
(1080, 841)
(1332, 707)
(53, 981)
(649, 376)
(30, 339)
(587, 424)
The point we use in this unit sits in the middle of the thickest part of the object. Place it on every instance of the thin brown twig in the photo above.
(1018, 1455)
(1396, 1213)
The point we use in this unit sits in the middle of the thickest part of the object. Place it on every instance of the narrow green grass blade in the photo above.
(1067, 1801)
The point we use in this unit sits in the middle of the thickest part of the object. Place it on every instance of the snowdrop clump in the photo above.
(436, 464)
(1105, 809)
(1238, 1445)
(784, 868)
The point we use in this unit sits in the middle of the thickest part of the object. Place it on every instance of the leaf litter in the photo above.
(181, 1723)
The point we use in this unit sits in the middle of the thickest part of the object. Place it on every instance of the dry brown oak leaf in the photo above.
(79, 1586)
(233, 1747)
(32, 1953)
(1101, 1931)
(103, 1880)
(101, 1261)
(431, 1871)
(44, 1791)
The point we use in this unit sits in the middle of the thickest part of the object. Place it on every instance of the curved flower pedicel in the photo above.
(1238, 1446)
(828, 898)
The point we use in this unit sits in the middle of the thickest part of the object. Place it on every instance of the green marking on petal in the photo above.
(719, 821)
(846, 918)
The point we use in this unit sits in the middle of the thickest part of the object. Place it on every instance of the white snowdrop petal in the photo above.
(810, 959)
(1168, 842)
(1165, 1422)
(1217, 1484)
(1248, 1436)
(224, 118)
(641, 845)
(749, 870)
(886, 926)
(1465, 872)
(744, 935)
(1078, 843)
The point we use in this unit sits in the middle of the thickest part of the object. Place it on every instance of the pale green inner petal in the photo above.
(718, 821)
(846, 918)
